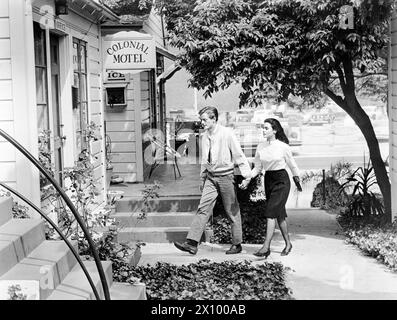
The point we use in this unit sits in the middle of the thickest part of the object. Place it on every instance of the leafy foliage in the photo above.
(337, 171)
(374, 240)
(126, 7)
(284, 47)
(364, 200)
(149, 192)
(15, 293)
(288, 47)
(103, 229)
(252, 218)
(19, 211)
(335, 199)
(206, 280)
(45, 156)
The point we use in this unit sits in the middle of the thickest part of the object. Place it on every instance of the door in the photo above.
(57, 125)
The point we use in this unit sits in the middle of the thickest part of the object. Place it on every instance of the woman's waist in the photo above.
(276, 173)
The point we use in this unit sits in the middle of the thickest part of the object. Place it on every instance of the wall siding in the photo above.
(7, 151)
(120, 126)
(81, 27)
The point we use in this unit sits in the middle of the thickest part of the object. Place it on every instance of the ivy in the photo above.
(206, 280)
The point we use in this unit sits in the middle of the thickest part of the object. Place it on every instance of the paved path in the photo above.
(322, 266)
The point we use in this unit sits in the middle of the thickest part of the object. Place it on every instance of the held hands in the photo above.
(201, 186)
(244, 184)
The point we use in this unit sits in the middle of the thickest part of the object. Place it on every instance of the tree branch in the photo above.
(349, 75)
(341, 77)
(337, 99)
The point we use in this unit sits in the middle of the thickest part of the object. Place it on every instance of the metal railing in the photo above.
(72, 208)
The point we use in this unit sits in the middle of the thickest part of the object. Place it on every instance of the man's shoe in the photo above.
(235, 248)
(186, 247)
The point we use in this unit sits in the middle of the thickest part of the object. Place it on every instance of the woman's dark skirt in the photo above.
(277, 187)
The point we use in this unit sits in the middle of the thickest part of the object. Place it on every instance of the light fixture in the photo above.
(61, 7)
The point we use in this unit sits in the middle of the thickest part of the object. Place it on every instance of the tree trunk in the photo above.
(364, 123)
(355, 111)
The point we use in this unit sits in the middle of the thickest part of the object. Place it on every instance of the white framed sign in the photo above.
(129, 50)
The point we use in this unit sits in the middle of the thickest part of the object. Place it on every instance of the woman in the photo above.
(272, 157)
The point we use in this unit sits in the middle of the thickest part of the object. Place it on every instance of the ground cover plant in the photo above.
(206, 280)
(372, 236)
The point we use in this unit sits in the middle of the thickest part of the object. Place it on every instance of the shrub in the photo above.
(252, 207)
(207, 280)
(364, 201)
(334, 197)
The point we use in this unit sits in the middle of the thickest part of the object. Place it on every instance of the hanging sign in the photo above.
(129, 50)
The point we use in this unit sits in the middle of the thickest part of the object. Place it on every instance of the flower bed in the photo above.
(375, 241)
(206, 280)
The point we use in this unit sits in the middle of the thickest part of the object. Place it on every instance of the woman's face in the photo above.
(268, 131)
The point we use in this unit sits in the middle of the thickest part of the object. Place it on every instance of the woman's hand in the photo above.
(297, 183)
(244, 184)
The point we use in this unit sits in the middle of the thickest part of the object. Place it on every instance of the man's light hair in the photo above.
(212, 112)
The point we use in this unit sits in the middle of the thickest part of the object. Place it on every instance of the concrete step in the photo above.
(162, 204)
(75, 286)
(157, 234)
(154, 219)
(5, 209)
(126, 291)
(49, 264)
(18, 238)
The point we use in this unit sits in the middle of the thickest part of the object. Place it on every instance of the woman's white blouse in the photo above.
(274, 155)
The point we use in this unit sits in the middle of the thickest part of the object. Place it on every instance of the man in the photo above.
(220, 152)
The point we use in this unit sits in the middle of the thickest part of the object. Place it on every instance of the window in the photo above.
(79, 92)
(116, 96)
(40, 60)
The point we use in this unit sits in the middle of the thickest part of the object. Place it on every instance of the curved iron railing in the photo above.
(31, 204)
(69, 203)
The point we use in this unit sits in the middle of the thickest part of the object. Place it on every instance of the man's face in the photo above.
(206, 122)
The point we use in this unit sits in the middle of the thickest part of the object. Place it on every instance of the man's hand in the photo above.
(244, 184)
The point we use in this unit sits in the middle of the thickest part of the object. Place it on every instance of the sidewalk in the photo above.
(322, 266)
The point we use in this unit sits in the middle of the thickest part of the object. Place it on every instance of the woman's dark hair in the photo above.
(280, 134)
(212, 112)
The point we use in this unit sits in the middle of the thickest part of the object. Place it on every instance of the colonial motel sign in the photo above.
(127, 50)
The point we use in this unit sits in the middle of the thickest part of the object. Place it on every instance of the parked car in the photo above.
(250, 135)
(320, 118)
(244, 115)
(262, 114)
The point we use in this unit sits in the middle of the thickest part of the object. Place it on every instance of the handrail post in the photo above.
(69, 203)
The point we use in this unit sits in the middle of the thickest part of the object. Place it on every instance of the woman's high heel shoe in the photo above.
(262, 254)
(285, 252)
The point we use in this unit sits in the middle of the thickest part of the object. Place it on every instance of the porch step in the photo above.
(157, 234)
(18, 238)
(126, 291)
(75, 286)
(49, 264)
(154, 219)
(5, 209)
(162, 204)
